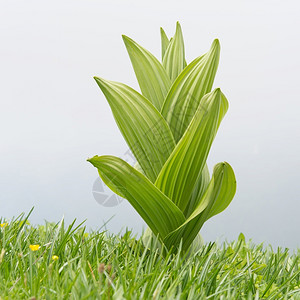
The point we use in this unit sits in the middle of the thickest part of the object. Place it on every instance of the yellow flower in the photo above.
(55, 257)
(34, 247)
(3, 225)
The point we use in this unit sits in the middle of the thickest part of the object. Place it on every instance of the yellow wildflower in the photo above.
(34, 247)
(55, 257)
(3, 225)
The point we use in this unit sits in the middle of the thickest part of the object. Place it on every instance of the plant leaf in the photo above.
(190, 86)
(142, 126)
(226, 194)
(156, 209)
(180, 174)
(204, 178)
(151, 75)
(174, 57)
(221, 189)
(198, 191)
(164, 42)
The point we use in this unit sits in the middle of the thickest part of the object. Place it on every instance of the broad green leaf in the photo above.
(174, 57)
(226, 194)
(203, 181)
(180, 174)
(164, 43)
(221, 189)
(190, 86)
(198, 192)
(144, 129)
(151, 75)
(170, 130)
(156, 209)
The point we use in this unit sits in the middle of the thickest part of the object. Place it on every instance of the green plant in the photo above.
(169, 128)
(73, 263)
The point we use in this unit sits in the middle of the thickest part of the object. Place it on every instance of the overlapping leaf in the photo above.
(190, 86)
(226, 193)
(157, 210)
(174, 56)
(171, 189)
(164, 43)
(203, 181)
(151, 75)
(144, 129)
(180, 174)
(199, 190)
(221, 189)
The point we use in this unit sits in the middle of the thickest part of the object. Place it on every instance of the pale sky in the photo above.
(53, 116)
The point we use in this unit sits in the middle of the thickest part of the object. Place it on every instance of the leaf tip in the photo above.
(100, 81)
(216, 42)
(217, 92)
(92, 159)
(215, 47)
(125, 38)
(178, 28)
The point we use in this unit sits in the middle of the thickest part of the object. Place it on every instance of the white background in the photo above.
(53, 116)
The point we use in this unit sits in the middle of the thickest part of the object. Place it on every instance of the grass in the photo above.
(74, 264)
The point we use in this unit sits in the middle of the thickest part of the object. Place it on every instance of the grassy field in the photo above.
(55, 261)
